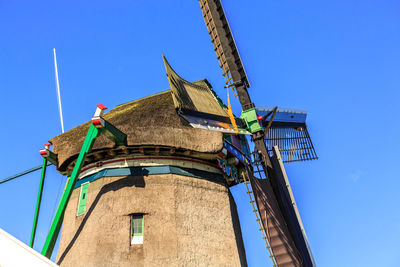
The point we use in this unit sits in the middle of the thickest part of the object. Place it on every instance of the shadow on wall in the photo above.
(128, 181)
(238, 231)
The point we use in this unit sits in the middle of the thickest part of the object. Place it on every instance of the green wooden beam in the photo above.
(22, 173)
(53, 158)
(38, 201)
(115, 135)
(51, 239)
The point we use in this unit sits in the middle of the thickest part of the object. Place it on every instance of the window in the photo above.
(137, 229)
(82, 199)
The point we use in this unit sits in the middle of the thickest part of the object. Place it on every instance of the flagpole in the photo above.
(58, 91)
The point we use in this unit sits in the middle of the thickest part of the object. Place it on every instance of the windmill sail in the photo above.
(279, 215)
(277, 232)
(223, 42)
(289, 132)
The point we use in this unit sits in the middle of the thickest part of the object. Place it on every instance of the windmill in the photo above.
(200, 108)
(272, 129)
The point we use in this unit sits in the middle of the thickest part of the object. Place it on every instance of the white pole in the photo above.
(58, 91)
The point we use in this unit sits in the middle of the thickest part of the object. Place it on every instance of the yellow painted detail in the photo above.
(230, 114)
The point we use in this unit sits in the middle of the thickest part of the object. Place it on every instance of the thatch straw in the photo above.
(148, 121)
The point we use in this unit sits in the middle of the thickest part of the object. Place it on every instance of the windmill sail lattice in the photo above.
(289, 133)
(224, 43)
(294, 143)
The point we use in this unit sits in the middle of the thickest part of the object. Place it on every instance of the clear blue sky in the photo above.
(339, 60)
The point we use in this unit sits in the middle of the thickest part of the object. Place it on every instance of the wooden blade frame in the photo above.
(231, 64)
(223, 42)
(289, 132)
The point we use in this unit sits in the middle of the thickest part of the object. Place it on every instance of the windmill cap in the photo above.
(101, 106)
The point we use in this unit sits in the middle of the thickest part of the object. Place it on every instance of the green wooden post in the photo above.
(23, 173)
(38, 201)
(51, 239)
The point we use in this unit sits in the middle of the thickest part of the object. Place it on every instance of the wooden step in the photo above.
(279, 250)
(284, 260)
(275, 241)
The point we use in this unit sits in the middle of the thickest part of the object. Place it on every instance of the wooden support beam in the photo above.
(51, 239)
(124, 150)
(111, 153)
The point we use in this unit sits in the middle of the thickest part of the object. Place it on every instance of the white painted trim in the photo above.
(137, 240)
(287, 110)
(131, 161)
(217, 129)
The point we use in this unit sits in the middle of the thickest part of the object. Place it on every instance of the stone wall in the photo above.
(187, 222)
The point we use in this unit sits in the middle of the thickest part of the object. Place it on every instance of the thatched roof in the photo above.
(195, 96)
(148, 121)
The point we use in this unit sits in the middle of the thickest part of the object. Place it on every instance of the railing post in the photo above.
(38, 201)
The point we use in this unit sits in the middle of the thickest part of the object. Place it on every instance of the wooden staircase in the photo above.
(278, 240)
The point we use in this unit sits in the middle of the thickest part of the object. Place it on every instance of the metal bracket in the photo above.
(49, 155)
(252, 120)
(270, 120)
(235, 84)
(109, 130)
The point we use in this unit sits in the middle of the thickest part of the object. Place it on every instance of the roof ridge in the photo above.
(136, 100)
